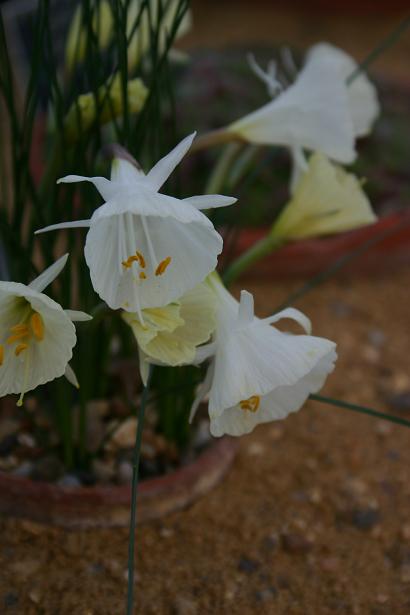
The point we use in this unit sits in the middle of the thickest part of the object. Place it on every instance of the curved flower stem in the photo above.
(260, 249)
(134, 490)
(222, 168)
(210, 139)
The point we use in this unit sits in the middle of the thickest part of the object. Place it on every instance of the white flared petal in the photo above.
(210, 201)
(104, 186)
(192, 248)
(40, 362)
(363, 101)
(312, 113)
(164, 167)
(49, 275)
(293, 314)
(246, 310)
(63, 225)
(71, 377)
(202, 392)
(257, 359)
(277, 404)
(77, 316)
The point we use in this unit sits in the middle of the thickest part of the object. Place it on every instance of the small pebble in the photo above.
(376, 337)
(265, 595)
(184, 606)
(248, 565)
(124, 472)
(124, 435)
(365, 518)
(296, 543)
(69, 480)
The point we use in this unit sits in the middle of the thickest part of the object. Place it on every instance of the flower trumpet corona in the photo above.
(145, 249)
(169, 335)
(37, 335)
(258, 373)
(326, 200)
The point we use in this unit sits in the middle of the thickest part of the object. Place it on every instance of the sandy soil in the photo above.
(312, 518)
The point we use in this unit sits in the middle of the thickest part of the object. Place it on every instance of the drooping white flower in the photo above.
(37, 335)
(326, 200)
(258, 373)
(169, 335)
(145, 249)
(312, 113)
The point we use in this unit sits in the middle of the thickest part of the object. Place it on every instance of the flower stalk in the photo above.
(261, 248)
(134, 493)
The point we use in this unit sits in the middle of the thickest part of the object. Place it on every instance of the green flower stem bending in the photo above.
(363, 409)
(213, 138)
(260, 249)
(223, 166)
(134, 490)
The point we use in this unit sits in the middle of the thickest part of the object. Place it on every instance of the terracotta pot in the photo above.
(85, 507)
(309, 257)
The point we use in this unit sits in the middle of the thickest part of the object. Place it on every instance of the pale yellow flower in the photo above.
(169, 335)
(326, 200)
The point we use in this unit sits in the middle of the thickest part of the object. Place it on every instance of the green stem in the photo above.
(222, 167)
(381, 48)
(210, 139)
(134, 490)
(363, 409)
(260, 249)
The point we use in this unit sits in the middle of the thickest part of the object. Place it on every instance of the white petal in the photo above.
(71, 377)
(164, 167)
(363, 101)
(293, 314)
(50, 274)
(256, 359)
(299, 166)
(210, 201)
(104, 186)
(204, 352)
(77, 316)
(246, 310)
(276, 405)
(62, 225)
(312, 113)
(124, 172)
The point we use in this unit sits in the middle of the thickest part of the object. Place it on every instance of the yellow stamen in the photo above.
(163, 265)
(37, 326)
(17, 336)
(142, 276)
(1, 354)
(20, 348)
(19, 328)
(251, 404)
(141, 259)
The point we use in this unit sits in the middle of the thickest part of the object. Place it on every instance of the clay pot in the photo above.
(86, 507)
(390, 248)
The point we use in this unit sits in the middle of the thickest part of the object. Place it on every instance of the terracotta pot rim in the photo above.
(107, 506)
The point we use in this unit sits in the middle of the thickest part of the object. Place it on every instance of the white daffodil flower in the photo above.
(37, 335)
(257, 373)
(326, 200)
(312, 113)
(170, 335)
(145, 249)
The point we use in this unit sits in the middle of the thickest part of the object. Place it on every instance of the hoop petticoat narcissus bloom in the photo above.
(257, 373)
(37, 335)
(326, 200)
(145, 249)
(170, 335)
(312, 113)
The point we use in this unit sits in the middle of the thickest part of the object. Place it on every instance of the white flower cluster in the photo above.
(153, 257)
